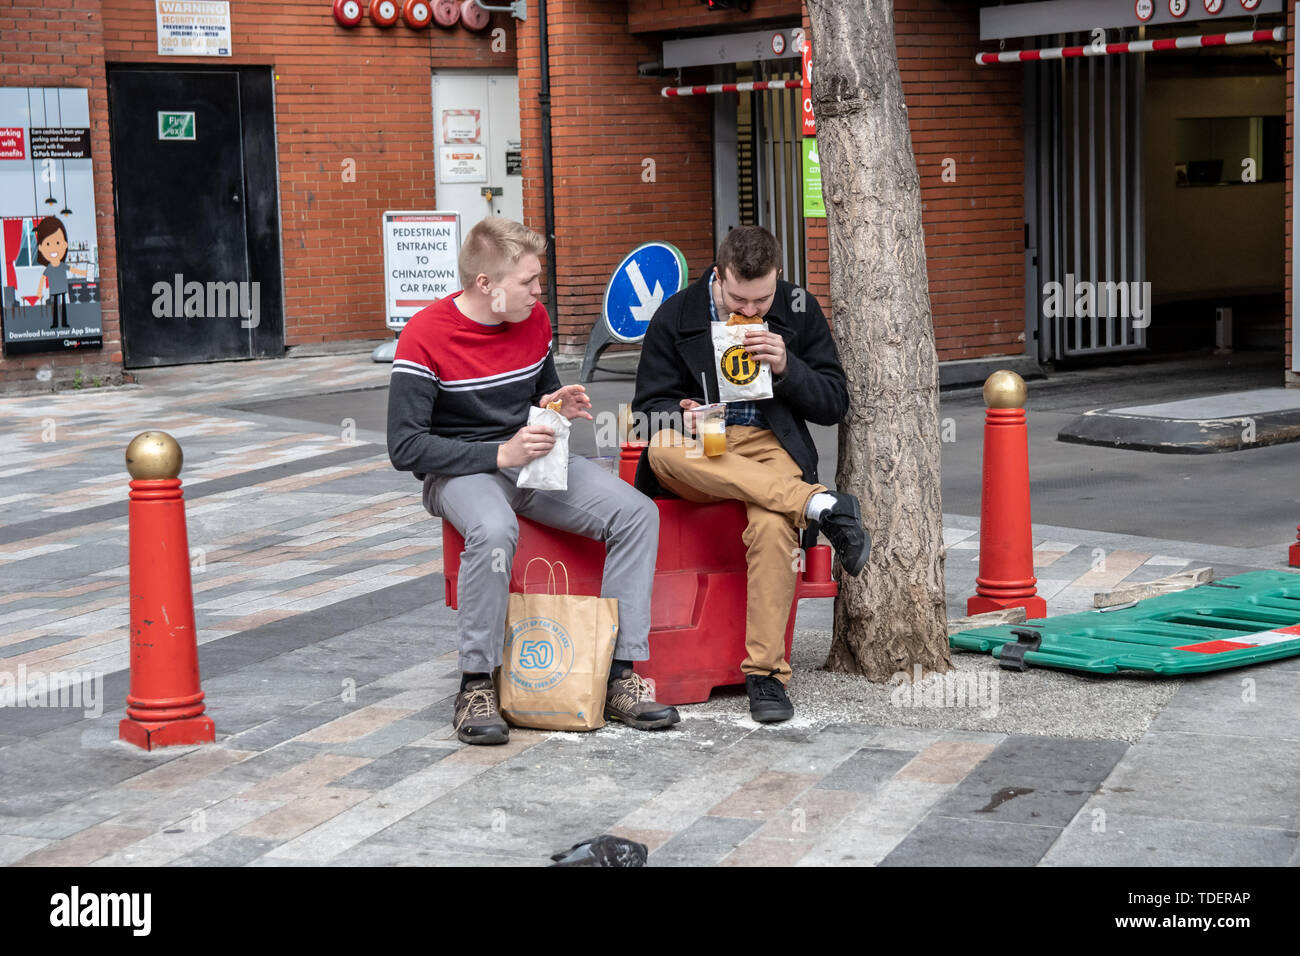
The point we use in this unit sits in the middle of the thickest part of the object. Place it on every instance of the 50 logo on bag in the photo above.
(536, 653)
(544, 653)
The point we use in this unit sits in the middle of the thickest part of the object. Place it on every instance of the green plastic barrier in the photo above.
(1245, 619)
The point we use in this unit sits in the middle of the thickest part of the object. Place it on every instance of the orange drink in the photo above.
(713, 435)
(711, 426)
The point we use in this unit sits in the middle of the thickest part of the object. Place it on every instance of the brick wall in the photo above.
(973, 226)
(364, 94)
(651, 15)
(1292, 378)
(606, 121)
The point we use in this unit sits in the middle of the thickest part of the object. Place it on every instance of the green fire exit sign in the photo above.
(175, 125)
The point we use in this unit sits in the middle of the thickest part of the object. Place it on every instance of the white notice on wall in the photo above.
(193, 27)
(462, 164)
(420, 252)
(462, 126)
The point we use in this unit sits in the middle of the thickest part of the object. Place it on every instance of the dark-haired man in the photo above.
(770, 463)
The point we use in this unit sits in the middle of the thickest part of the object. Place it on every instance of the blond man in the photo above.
(467, 370)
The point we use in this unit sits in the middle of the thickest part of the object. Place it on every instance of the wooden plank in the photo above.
(1011, 615)
(1138, 591)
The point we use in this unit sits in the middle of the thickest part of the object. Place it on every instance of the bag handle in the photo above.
(553, 585)
(528, 567)
(560, 564)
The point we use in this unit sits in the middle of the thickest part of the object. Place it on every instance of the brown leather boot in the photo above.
(631, 700)
(478, 719)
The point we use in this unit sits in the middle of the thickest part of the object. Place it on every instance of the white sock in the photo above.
(817, 504)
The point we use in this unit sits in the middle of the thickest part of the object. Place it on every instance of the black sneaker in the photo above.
(767, 700)
(842, 525)
(477, 719)
(630, 699)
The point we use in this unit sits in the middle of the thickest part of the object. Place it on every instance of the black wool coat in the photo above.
(678, 348)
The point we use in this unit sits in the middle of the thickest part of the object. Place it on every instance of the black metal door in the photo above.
(187, 291)
(1085, 204)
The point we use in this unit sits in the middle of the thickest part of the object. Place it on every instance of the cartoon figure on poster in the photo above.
(51, 250)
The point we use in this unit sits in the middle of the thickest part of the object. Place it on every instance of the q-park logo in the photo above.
(542, 651)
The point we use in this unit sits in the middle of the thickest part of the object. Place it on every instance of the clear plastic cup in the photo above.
(711, 427)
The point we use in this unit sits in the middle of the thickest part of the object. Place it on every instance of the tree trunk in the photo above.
(893, 616)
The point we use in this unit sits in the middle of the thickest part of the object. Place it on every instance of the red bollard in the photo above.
(632, 445)
(165, 703)
(1006, 577)
(1294, 554)
(628, 458)
(818, 567)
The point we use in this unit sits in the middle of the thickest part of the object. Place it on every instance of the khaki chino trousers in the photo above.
(757, 471)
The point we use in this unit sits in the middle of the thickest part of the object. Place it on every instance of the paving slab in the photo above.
(953, 841)
(328, 660)
(704, 843)
(393, 766)
(1253, 702)
(1129, 839)
(866, 769)
(225, 851)
(1207, 778)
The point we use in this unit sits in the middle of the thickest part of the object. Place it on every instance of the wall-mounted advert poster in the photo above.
(49, 283)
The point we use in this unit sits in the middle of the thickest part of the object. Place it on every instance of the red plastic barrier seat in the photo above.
(697, 612)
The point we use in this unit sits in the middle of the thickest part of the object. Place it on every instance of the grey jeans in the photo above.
(597, 505)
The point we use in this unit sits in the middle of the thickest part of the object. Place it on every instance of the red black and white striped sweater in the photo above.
(459, 389)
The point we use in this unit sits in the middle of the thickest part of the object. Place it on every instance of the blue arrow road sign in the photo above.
(647, 276)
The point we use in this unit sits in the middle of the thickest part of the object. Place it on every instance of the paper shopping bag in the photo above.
(558, 651)
(741, 377)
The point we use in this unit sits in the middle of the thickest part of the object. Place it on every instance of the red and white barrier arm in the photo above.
(757, 86)
(1135, 46)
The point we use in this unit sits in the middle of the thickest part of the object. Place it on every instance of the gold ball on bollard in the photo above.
(1004, 389)
(154, 455)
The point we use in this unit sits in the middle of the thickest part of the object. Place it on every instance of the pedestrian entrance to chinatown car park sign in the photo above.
(648, 275)
(420, 253)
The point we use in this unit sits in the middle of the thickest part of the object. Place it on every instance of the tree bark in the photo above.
(892, 616)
